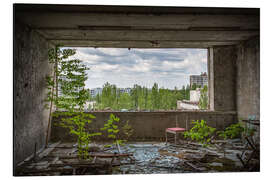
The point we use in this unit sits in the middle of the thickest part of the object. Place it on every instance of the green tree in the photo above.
(203, 101)
(194, 86)
(125, 101)
(106, 96)
(71, 76)
(155, 97)
(145, 94)
(187, 93)
(135, 96)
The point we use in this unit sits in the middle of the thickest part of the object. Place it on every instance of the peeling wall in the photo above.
(149, 125)
(248, 79)
(30, 68)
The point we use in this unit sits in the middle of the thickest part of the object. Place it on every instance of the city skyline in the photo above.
(123, 67)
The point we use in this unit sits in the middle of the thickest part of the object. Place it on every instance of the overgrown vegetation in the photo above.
(233, 131)
(203, 101)
(200, 132)
(70, 76)
(78, 124)
(140, 98)
(128, 130)
(112, 128)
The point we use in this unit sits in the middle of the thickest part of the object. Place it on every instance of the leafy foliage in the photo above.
(112, 128)
(77, 123)
(140, 98)
(203, 101)
(128, 130)
(233, 131)
(200, 132)
(70, 76)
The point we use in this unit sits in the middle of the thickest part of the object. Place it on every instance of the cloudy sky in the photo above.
(123, 67)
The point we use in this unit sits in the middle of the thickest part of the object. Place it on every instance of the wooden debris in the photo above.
(118, 147)
(100, 155)
(48, 150)
(86, 164)
(193, 166)
(94, 160)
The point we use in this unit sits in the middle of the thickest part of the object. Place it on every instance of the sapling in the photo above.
(112, 128)
(70, 75)
(200, 132)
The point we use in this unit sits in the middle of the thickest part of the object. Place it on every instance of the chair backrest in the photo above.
(176, 122)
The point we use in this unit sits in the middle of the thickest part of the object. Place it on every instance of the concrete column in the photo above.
(30, 70)
(211, 90)
(248, 79)
(224, 64)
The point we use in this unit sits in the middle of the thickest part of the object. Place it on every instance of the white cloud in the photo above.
(167, 67)
(89, 58)
(104, 67)
(112, 51)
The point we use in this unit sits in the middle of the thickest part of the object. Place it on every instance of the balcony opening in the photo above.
(129, 80)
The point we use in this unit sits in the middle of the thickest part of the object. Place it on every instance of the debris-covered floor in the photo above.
(139, 158)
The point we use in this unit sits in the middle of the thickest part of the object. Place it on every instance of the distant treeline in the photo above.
(140, 98)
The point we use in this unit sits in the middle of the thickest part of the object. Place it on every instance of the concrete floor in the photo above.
(147, 158)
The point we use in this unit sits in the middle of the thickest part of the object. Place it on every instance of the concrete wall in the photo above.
(224, 64)
(248, 79)
(149, 125)
(30, 69)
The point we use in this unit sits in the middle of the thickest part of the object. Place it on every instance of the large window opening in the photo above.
(127, 80)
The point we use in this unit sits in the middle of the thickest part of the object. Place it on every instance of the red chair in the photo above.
(175, 130)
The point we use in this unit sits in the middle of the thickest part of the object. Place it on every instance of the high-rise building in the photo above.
(199, 80)
(95, 91)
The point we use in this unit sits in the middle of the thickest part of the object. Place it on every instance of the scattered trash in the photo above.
(139, 158)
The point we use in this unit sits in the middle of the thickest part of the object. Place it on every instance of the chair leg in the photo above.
(175, 136)
(166, 137)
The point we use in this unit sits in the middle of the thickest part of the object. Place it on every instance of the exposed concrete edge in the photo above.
(29, 157)
(162, 112)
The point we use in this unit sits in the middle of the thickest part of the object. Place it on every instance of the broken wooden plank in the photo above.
(48, 150)
(89, 164)
(94, 160)
(92, 155)
(193, 166)
(118, 147)
(41, 171)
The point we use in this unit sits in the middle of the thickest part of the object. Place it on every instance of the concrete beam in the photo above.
(158, 10)
(142, 44)
(41, 20)
(113, 26)
(129, 35)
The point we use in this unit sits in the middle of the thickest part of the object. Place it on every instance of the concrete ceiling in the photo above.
(140, 26)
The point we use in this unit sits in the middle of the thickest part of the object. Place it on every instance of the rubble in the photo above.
(137, 158)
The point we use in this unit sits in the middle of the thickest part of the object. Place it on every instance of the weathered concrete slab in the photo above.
(148, 125)
(30, 70)
(248, 79)
(134, 26)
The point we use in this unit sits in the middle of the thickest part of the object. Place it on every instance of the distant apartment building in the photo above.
(94, 92)
(199, 80)
(127, 90)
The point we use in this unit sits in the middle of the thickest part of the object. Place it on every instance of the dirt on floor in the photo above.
(140, 158)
